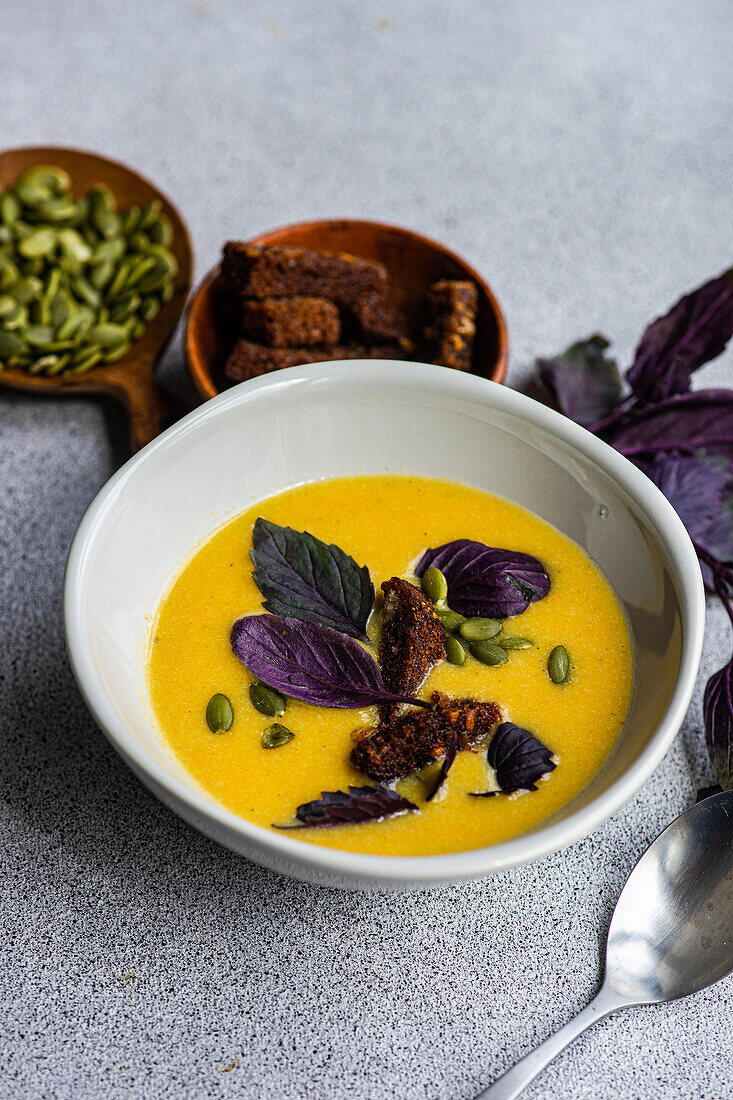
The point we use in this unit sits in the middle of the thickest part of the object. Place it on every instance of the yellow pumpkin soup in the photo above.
(532, 626)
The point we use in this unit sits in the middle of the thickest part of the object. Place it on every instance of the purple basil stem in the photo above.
(311, 662)
(350, 808)
(718, 712)
(445, 768)
(483, 580)
(673, 347)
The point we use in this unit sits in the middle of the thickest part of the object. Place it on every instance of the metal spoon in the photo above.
(671, 932)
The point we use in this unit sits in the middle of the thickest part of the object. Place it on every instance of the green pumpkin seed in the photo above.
(7, 305)
(10, 344)
(48, 176)
(219, 714)
(139, 268)
(84, 360)
(167, 292)
(455, 651)
(434, 585)
(10, 208)
(9, 273)
(42, 365)
(107, 334)
(73, 244)
(276, 735)
(558, 665)
(32, 194)
(39, 242)
(101, 198)
(55, 210)
(149, 213)
(106, 222)
(451, 620)
(38, 336)
(161, 231)
(112, 354)
(130, 220)
(119, 280)
(62, 362)
(110, 250)
(125, 307)
(153, 279)
(139, 241)
(26, 289)
(61, 306)
(488, 653)
(514, 643)
(16, 319)
(480, 630)
(101, 274)
(137, 330)
(84, 290)
(267, 700)
(149, 308)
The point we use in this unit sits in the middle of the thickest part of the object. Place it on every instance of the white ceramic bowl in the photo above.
(371, 417)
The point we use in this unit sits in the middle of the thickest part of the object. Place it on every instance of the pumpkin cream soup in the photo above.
(394, 664)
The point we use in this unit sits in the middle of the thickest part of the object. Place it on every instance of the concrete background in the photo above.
(580, 154)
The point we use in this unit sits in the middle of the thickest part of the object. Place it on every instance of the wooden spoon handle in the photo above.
(149, 408)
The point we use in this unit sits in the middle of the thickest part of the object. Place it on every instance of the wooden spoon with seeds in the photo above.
(130, 380)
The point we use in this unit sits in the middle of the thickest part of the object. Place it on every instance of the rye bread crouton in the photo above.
(262, 271)
(412, 639)
(409, 742)
(291, 322)
(451, 327)
(249, 360)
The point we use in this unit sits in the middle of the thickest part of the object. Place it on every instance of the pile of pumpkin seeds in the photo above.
(79, 279)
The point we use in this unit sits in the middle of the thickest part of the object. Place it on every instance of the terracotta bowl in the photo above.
(414, 262)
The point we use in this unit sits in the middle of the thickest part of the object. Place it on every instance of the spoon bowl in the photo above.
(671, 933)
(130, 380)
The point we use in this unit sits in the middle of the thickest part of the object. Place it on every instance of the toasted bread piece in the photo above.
(412, 639)
(249, 360)
(262, 271)
(291, 322)
(409, 742)
(451, 305)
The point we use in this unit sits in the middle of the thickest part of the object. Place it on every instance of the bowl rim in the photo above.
(201, 376)
(668, 530)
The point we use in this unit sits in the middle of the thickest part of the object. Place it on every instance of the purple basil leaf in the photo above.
(700, 489)
(518, 758)
(310, 662)
(694, 331)
(584, 382)
(304, 578)
(446, 766)
(684, 422)
(483, 580)
(718, 713)
(342, 808)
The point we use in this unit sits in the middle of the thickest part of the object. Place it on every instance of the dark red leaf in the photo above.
(342, 808)
(681, 423)
(584, 382)
(483, 580)
(518, 758)
(446, 766)
(694, 331)
(718, 712)
(311, 662)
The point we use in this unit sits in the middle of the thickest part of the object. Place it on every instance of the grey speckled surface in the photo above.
(580, 154)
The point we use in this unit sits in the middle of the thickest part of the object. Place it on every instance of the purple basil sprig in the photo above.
(483, 580)
(518, 758)
(350, 808)
(446, 766)
(683, 441)
(311, 662)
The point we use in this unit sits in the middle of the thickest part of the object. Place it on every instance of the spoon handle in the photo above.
(511, 1083)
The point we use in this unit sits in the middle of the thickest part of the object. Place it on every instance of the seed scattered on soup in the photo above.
(390, 736)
